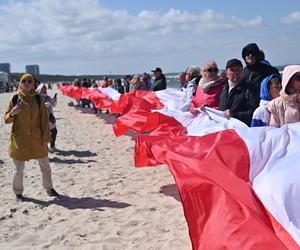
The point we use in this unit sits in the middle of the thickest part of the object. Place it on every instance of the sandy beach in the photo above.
(107, 204)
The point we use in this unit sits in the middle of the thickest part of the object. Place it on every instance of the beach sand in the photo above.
(108, 203)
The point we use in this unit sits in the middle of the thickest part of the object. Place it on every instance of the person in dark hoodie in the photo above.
(255, 70)
(120, 87)
(160, 82)
(269, 90)
(238, 99)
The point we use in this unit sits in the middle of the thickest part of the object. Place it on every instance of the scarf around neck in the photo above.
(26, 96)
(206, 85)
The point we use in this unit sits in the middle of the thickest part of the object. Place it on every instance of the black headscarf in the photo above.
(255, 73)
(253, 48)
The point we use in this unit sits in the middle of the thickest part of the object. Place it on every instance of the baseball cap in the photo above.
(157, 70)
(233, 62)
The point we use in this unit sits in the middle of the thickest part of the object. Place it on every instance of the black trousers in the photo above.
(53, 133)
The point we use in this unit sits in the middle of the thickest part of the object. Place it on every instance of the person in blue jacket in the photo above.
(269, 89)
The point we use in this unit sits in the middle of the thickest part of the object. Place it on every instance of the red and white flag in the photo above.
(239, 186)
(135, 107)
(137, 110)
(103, 98)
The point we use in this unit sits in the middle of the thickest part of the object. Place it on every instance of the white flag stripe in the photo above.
(112, 93)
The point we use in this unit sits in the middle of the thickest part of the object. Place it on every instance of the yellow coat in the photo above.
(30, 131)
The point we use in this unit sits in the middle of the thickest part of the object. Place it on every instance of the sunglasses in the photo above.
(210, 70)
(27, 81)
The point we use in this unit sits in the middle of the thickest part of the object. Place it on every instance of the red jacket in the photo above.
(210, 98)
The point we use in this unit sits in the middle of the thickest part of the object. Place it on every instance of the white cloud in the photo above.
(293, 17)
(84, 29)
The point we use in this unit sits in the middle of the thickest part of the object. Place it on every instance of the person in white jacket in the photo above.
(50, 103)
(192, 77)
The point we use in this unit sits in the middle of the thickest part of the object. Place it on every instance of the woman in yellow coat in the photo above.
(29, 135)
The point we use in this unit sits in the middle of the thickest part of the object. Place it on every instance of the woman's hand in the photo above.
(16, 109)
(195, 111)
(227, 114)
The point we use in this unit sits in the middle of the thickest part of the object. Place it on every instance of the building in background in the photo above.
(32, 69)
(5, 67)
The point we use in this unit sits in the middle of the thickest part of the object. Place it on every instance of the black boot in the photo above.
(19, 198)
(52, 193)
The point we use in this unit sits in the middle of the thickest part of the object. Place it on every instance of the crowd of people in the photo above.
(128, 83)
(255, 94)
(236, 91)
(245, 93)
(7, 86)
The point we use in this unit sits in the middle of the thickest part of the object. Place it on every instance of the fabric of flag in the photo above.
(103, 98)
(134, 108)
(239, 187)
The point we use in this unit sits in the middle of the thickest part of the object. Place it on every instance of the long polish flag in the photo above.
(103, 98)
(139, 110)
(239, 186)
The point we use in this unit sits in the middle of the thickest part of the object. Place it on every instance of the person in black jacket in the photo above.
(256, 70)
(85, 102)
(160, 82)
(120, 87)
(238, 99)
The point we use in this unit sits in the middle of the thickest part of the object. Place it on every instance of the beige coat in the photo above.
(30, 131)
(285, 109)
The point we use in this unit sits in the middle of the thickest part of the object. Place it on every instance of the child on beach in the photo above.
(50, 103)
(269, 90)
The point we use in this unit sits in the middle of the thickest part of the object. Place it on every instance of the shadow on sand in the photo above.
(170, 190)
(69, 161)
(107, 118)
(75, 153)
(110, 119)
(79, 203)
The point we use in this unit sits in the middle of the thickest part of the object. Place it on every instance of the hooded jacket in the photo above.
(188, 94)
(49, 102)
(254, 74)
(261, 115)
(285, 109)
(30, 131)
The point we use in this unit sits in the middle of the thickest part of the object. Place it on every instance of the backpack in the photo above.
(52, 118)
(16, 98)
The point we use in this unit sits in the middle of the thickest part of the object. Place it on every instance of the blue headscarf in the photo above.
(264, 92)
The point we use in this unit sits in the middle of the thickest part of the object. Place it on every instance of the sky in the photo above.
(128, 37)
